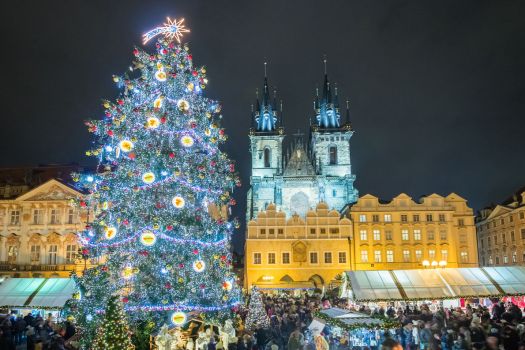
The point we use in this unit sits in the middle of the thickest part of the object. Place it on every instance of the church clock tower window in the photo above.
(333, 155)
(267, 157)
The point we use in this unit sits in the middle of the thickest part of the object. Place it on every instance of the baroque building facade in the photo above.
(501, 232)
(38, 229)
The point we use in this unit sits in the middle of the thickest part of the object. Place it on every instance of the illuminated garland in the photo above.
(176, 307)
(382, 322)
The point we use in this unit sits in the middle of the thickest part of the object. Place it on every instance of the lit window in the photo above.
(271, 258)
(257, 258)
(362, 218)
(464, 257)
(71, 252)
(492, 262)
(377, 235)
(313, 258)
(364, 255)
(52, 254)
(404, 235)
(431, 254)
(514, 257)
(37, 216)
(327, 257)
(505, 259)
(417, 235)
(389, 256)
(363, 235)
(406, 255)
(444, 255)
(286, 258)
(12, 254)
(71, 216)
(15, 217)
(54, 217)
(35, 254)
(388, 218)
(377, 256)
(419, 255)
(342, 257)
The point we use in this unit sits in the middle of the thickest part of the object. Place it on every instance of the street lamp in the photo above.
(426, 263)
(434, 264)
(442, 263)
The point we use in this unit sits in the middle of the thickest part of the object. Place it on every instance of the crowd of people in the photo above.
(35, 332)
(421, 326)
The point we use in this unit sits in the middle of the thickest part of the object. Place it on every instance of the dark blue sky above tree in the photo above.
(437, 88)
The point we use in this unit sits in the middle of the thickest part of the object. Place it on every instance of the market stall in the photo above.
(36, 295)
(357, 329)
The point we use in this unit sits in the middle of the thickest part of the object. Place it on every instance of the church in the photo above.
(306, 223)
(309, 171)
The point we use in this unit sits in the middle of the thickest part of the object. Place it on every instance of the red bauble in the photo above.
(193, 125)
(108, 114)
(82, 204)
(194, 73)
(164, 51)
(190, 57)
(181, 265)
(131, 156)
(213, 163)
(203, 286)
(120, 101)
(233, 201)
(85, 251)
(169, 227)
(110, 132)
(152, 57)
(163, 120)
(223, 257)
(221, 132)
(125, 222)
(171, 45)
(136, 52)
(125, 299)
(168, 285)
(104, 268)
(195, 251)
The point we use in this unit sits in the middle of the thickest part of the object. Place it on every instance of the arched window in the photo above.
(333, 155)
(266, 157)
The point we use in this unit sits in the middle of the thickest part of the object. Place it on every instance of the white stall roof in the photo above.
(510, 278)
(15, 291)
(54, 293)
(440, 283)
(36, 292)
(469, 282)
(373, 285)
(422, 284)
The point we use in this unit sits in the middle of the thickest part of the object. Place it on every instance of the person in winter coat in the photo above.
(425, 337)
(296, 340)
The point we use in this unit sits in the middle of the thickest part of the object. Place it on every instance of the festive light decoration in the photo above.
(187, 141)
(178, 202)
(153, 122)
(148, 238)
(178, 318)
(148, 177)
(110, 232)
(160, 75)
(257, 316)
(160, 178)
(172, 29)
(126, 146)
(199, 265)
(114, 331)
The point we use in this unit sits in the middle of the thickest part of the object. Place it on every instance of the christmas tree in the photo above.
(160, 197)
(113, 333)
(257, 317)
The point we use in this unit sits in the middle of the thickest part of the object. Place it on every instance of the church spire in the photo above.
(266, 111)
(327, 109)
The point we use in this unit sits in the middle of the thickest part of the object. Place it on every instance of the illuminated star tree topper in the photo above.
(173, 29)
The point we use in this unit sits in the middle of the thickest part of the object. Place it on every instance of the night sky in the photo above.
(437, 88)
